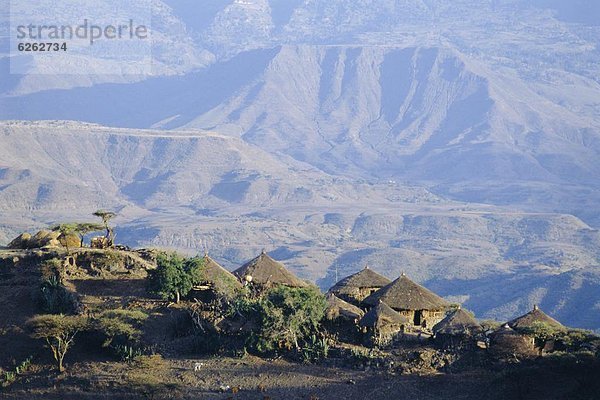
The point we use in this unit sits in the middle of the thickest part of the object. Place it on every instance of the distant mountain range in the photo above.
(457, 141)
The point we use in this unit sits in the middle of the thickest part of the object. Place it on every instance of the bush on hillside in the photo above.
(55, 298)
(286, 318)
(120, 327)
(174, 276)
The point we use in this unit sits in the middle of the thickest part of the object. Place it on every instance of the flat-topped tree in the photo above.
(65, 231)
(106, 216)
(59, 332)
(78, 228)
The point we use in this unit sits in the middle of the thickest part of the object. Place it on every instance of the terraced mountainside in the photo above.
(196, 190)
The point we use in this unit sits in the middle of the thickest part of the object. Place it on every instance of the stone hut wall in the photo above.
(356, 295)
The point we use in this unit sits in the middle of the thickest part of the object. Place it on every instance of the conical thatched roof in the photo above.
(459, 322)
(263, 270)
(504, 331)
(382, 315)
(365, 278)
(222, 280)
(532, 317)
(404, 294)
(337, 308)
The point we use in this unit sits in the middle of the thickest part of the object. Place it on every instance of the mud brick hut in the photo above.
(342, 317)
(264, 272)
(536, 319)
(458, 329)
(508, 343)
(214, 281)
(419, 305)
(355, 288)
(383, 326)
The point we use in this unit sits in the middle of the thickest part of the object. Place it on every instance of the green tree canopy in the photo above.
(106, 216)
(120, 325)
(289, 317)
(58, 331)
(78, 228)
(174, 276)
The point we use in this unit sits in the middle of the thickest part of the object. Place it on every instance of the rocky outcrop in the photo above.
(44, 238)
(70, 240)
(20, 242)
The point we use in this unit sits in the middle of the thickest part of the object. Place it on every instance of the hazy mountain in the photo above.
(196, 190)
(426, 115)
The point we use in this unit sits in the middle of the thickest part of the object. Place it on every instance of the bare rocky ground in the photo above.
(254, 378)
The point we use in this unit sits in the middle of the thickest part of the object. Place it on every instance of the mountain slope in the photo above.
(195, 190)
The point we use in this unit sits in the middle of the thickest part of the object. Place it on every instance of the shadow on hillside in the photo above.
(111, 287)
(142, 104)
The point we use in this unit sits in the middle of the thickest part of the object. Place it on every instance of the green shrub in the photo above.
(52, 268)
(288, 316)
(316, 348)
(55, 298)
(121, 331)
(361, 354)
(542, 331)
(126, 352)
(174, 276)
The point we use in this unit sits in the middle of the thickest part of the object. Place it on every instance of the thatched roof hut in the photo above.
(382, 315)
(338, 308)
(534, 317)
(404, 294)
(264, 271)
(423, 307)
(213, 276)
(358, 286)
(458, 323)
(383, 326)
(458, 329)
(507, 342)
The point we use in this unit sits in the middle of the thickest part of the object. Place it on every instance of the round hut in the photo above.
(356, 287)
(263, 272)
(213, 281)
(421, 306)
(508, 343)
(342, 318)
(458, 329)
(383, 325)
(541, 327)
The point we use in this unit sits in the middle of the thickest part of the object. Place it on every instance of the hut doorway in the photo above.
(418, 317)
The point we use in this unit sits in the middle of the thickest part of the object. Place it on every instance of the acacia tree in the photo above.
(58, 331)
(65, 230)
(106, 216)
(79, 228)
(174, 276)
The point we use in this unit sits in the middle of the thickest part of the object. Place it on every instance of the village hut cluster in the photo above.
(370, 309)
